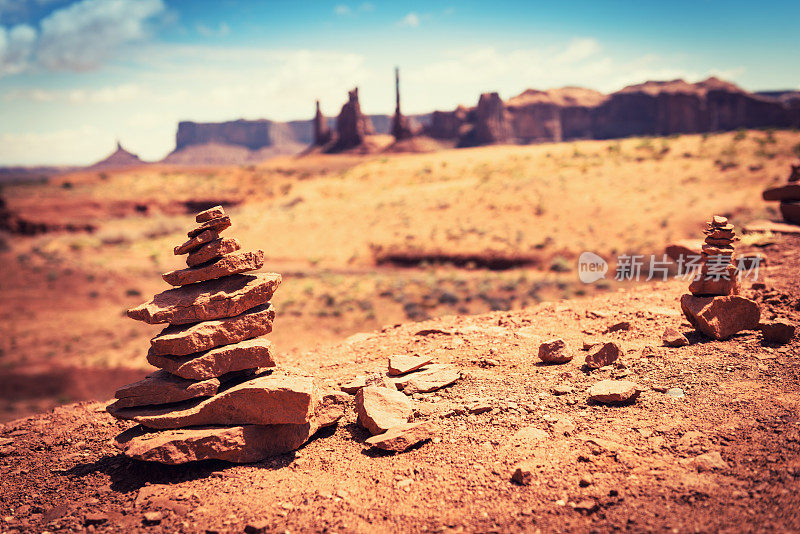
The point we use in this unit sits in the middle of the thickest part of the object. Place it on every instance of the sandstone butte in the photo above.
(212, 299)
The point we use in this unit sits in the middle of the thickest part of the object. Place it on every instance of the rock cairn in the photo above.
(714, 306)
(717, 275)
(788, 195)
(214, 396)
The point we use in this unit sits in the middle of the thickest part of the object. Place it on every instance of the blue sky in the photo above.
(77, 74)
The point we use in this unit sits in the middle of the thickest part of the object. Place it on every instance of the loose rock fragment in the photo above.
(618, 327)
(380, 408)
(614, 392)
(720, 317)
(709, 461)
(189, 339)
(436, 377)
(673, 338)
(403, 436)
(555, 351)
(400, 364)
(524, 472)
(352, 386)
(779, 332)
(602, 355)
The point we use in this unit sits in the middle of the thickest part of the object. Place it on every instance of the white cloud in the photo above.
(367, 6)
(578, 49)
(341, 10)
(411, 20)
(16, 45)
(79, 37)
(206, 31)
(85, 34)
(104, 95)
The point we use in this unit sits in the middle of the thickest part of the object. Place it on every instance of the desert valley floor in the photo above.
(387, 255)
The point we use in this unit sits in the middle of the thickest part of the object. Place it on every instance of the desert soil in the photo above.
(323, 223)
(634, 468)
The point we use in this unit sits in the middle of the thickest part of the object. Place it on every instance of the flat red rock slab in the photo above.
(209, 300)
(777, 331)
(267, 400)
(180, 340)
(196, 242)
(238, 262)
(614, 392)
(791, 212)
(239, 444)
(162, 387)
(248, 354)
(404, 436)
(380, 408)
(210, 213)
(784, 192)
(720, 317)
(602, 355)
(218, 225)
(212, 250)
(429, 379)
(706, 284)
(400, 364)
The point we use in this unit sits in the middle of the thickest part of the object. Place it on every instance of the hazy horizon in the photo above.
(77, 75)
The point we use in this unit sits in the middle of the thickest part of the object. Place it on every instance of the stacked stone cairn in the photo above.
(215, 395)
(788, 195)
(714, 306)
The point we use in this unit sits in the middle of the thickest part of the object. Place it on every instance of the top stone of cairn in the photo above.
(210, 213)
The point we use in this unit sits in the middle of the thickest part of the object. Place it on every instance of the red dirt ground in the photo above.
(631, 466)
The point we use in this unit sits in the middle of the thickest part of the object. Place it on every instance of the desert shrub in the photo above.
(741, 135)
(560, 264)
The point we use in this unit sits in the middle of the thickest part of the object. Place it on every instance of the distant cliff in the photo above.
(651, 108)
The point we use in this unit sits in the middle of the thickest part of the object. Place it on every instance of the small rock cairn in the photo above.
(714, 306)
(213, 396)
